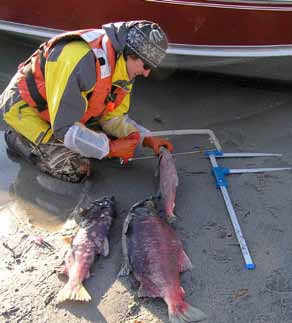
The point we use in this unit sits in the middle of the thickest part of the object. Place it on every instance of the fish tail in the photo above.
(184, 312)
(171, 217)
(75, 292)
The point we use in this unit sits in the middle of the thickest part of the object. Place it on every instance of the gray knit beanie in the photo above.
(148, 41)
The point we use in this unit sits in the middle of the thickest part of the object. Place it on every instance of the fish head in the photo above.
(104, 205)
(107, 201)
(147, 207)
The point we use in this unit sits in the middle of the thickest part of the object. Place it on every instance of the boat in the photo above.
(251, 38)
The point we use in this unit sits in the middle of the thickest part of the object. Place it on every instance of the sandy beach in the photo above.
(246, 116)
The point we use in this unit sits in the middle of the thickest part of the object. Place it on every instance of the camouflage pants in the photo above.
(52, 158)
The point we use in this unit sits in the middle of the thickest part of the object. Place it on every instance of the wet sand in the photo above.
(246, 116)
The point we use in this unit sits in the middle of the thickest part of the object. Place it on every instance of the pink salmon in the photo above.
(155, 255)
(90, 240)
(168, 182)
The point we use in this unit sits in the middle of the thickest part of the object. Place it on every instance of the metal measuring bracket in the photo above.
(221, 182)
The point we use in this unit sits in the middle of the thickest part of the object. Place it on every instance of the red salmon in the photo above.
(90, 240)
(168, 182)
(155, 255)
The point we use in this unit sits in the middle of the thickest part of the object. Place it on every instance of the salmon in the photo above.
(168, 182)
(154, 254)
(90, 240)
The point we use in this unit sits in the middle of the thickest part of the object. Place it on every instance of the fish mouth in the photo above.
(95, 208)
(105, 201)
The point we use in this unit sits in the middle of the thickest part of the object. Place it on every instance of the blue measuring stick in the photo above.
(221, 182)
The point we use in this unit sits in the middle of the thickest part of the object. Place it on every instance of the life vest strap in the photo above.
(33, 90)
(42, 61)
(31, 83)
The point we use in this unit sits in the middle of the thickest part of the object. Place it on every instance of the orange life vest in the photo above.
(102, 100)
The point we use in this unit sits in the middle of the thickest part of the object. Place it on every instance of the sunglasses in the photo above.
(146, 67)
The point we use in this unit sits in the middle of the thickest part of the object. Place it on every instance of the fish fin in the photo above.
(159, 161)
(176, 181)
(184, 262)
(171, 218)
(156, 183)
(125, 269)
(76, 292)
(61, 269)
(157, 196)
(148, 289)
(157, 174)
(68, 240)
(105, 247)
(186, 313)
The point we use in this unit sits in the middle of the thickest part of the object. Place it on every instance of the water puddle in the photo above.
(22, 212)
(8, 171)
(33, 198)
(8, 225)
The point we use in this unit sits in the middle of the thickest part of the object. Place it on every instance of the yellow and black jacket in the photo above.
(72, 78)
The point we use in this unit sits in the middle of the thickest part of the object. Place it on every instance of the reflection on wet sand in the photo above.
(41, 214)
(8, 224)
(39, 200)
(37, 216)
(8, 171)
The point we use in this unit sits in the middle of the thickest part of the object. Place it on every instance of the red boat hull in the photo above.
(225, 32)
(186, 22)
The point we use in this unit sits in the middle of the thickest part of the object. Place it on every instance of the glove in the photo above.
(156, 142)
(124, 148)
